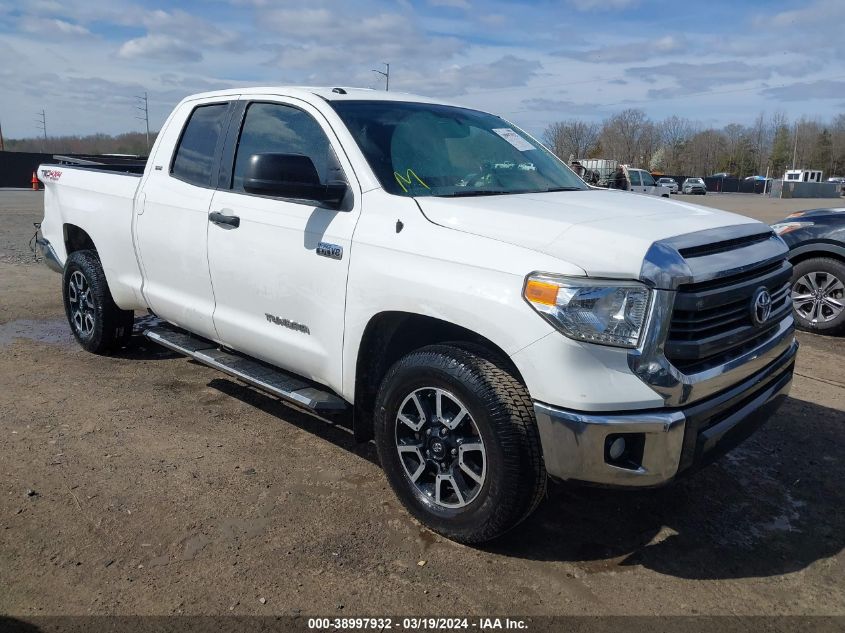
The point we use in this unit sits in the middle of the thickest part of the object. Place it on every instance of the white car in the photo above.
(668, 182)
(694, 186)
(435, 276)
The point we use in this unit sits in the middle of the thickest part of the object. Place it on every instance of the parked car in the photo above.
(668, 182)
(440, 280)
(838, 180)
(694, 186)
(643, 182)
(816, 241)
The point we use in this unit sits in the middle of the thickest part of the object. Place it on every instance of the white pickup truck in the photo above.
(436, 275)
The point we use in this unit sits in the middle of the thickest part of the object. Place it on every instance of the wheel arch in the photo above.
(815, 250)
(390, 335)
(76, 239)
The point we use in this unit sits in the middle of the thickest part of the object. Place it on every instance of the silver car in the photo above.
(668, 182)
(694, 185)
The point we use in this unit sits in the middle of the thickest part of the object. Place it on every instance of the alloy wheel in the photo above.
(81, 303)
(440, 447)
(818, 297)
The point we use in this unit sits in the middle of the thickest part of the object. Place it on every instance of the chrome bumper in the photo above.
(667, 441)
(49, 255)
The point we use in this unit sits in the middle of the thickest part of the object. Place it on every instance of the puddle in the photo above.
(52, 332)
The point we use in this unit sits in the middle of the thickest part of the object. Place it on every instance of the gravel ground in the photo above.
(143, 483)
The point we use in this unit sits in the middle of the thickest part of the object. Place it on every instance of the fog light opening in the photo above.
(624, 450)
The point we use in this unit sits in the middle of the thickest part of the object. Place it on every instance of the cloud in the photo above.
(455, 4)
(562, 107)
(636, 51)
(159, 47)
(326, 45)
(51, 26)
(695, 78)
(508, 71)
(601, 5)
(801, 91)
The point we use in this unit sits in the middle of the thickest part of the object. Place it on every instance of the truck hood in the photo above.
(606, 233)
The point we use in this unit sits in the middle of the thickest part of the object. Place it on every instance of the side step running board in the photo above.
(252, 372)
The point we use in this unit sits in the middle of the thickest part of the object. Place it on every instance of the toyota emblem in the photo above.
(761, 307)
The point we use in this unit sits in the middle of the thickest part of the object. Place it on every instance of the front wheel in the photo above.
(818, 295)
(456, 436)
(97, 323)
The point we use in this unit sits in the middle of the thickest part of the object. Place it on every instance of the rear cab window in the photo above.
(194, 159)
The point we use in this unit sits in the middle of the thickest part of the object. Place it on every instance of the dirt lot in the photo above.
(161, 487)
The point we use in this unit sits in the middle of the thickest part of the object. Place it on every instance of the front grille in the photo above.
(711, 322)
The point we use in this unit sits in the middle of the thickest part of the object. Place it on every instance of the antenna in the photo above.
(145, 108)
(384, 74)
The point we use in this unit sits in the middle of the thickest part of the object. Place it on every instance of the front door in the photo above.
(278, 296)
(636, 181)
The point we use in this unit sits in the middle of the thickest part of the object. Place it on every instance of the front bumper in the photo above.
(665, 442)
(49, 254)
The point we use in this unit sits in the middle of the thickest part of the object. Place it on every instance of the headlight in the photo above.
(782, 228)
(598, 311)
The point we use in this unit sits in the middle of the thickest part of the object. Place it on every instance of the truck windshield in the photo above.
(420, 149)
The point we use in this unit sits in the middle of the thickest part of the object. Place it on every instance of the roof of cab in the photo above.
(328, 93)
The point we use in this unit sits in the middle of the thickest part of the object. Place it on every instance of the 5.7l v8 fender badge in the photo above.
(332, 251)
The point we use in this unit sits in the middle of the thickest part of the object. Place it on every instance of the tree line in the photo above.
(134, 143)
(675, 145)
(679, 146)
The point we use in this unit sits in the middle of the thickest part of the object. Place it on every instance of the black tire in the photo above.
(502, 413)
(820, 268)
(99, 326)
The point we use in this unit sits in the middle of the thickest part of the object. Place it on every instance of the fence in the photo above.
(16, 167)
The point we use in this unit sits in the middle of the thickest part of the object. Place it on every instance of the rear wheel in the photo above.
(818, 295)
(456, 436)
(97, 323)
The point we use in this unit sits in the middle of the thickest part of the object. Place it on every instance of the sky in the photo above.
(716, 62)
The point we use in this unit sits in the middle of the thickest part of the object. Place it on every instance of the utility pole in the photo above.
(795, 146)
(146, 118)
(3, 146)
(42, 123)
(384, 74)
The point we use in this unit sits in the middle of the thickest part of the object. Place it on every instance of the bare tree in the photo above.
(571, 138)
(675, 132)
(629, 137)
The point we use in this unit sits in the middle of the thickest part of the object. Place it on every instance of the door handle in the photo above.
(222, 219)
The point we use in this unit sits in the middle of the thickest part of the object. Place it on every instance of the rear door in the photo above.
(171, 222)
(279, 297)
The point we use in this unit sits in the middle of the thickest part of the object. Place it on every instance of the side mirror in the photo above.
(290, 176)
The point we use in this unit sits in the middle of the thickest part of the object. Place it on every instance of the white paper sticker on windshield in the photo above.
(514, 139)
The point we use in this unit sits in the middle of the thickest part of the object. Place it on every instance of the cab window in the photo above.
(634, 175)
(281, 129)
(194, 158)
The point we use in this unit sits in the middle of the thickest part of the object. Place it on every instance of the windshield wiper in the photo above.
(475, 192)
(552, 189)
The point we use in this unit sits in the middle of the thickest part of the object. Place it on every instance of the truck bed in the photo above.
(100, 199)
